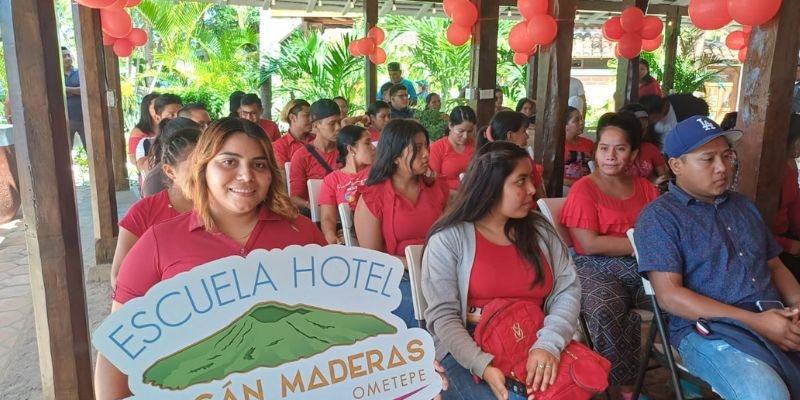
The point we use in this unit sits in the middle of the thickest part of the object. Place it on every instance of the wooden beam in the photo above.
(594, 5)
(266, 97)
(533, 77)
(116, 122)
(310, 5)
(555, 63)
(628, 70)
(765, 106)
(673, 31)
(483, 75)
(387, 6)
(95, 118)
(370, 72)
(33, 62)
(424, 9)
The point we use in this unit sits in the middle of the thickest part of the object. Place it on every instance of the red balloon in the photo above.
(116, 23)
(518, 39)
(652, 44)
(133, 3)
(542, 29)
(376, 34)
(632, 19)
(709, 14)
(652, 27)
(753, 12)
(450, 5)
(465, 15)
(630, 45)
(530, 8)
(743, 54)
(108, 40)
(521, 58)
(123, 47)
(353, 47)
(366, 46)
(736, 40)
(458, 35)
(378, 57)
(96, 3)
(612, 29)
(137, 37)
(116, 5)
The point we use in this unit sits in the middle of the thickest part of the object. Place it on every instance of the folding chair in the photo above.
(286, 167)
(314, 186)
(346, 216)
(665, 358)
(414, 260)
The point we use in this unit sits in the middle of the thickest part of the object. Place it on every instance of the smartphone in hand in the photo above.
(516, 386)
(764, 305)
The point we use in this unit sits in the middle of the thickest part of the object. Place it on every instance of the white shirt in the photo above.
(576, 87)
(140, 147)
(666, 124)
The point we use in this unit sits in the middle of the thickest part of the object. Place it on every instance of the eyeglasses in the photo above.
(402, 96)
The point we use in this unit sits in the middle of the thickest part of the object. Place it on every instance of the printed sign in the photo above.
(299, 323)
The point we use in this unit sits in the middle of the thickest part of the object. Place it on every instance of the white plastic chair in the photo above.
(346, 216)
(414, 260)
(314, 186)
(551, 209)
(286, 167)
(530, 151)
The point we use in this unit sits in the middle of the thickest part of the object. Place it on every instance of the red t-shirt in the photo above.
(148, 212)
(180, 244)
(577, 157)
(305, 166)
(788, 219)
(340, 187)
(285, 147)
(648, 159)
(588, 207)
(404, 223)
(448, 163)
(500, 272)
(652, 88)
(133, 142)
(271, 129)
(374, 134)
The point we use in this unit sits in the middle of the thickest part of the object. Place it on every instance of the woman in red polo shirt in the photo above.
(399, 203)
(512, 126)
(356, 155)
(296, 113)
(379, 114)
(318, 158)
(599, 210)
(240, 204)
(176, 148)
(487, 246)
(451, 154)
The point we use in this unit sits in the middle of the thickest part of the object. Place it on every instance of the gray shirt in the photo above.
(446, 268)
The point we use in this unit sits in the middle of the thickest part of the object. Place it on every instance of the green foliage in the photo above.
(691, 71)
(432, 121)
(213, 100)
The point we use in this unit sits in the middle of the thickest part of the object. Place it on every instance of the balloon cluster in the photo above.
(715, 14)
(634, 32)
(464, 15)
(118, 30)
(739, 40)
(368, 46)
(538, 28)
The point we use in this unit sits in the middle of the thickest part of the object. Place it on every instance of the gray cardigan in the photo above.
(446, 267)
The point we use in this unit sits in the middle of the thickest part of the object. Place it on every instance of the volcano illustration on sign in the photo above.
(268, 335)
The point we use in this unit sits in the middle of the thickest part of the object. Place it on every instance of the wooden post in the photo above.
(266, 97)
(555, 63)
(95, 119)
(533, 77)
(628, 70)
(673, 32)
(370, 73)
(33, 62)
(765, 106)
(116, 122)
(483, 76)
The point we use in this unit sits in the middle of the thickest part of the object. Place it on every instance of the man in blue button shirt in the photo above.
(708, 254)
(72, 87)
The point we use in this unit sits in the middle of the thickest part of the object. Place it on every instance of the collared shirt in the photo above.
(74, 111)
(148, 212)
(720, 249)
(182, 243)
(285, 147)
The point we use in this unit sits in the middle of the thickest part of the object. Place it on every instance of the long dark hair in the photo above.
(459, 115)
(625, 122)
(175, 146)
(647, 78)
(395, 137)
(502, 123)
(376, 106)
(145, 123)
(347, 136)
(481, 192)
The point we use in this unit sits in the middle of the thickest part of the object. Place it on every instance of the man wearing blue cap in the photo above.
(709, 255)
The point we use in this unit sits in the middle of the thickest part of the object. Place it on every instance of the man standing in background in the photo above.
(72, 83)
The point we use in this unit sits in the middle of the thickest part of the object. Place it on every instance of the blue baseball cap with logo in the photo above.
(694, 132)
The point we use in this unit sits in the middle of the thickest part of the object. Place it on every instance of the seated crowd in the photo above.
(470, 197)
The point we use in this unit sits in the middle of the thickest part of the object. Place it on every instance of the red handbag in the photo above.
(508, 329)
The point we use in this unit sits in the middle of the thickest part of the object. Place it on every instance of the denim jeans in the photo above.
(463, 387)
(406, 308)
(734, 375)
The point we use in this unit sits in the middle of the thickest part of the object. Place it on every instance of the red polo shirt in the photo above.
(374, 134)
(148, 212)
(270, 128)
(341, 187)
(285, 147)
(182, 243)
(404, 223)
(305, 166)
(648, 159)
(448, 163)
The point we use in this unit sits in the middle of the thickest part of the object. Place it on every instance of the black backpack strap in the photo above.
(311, 149)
